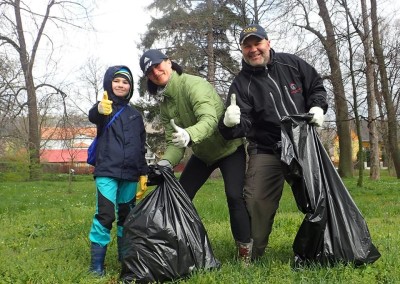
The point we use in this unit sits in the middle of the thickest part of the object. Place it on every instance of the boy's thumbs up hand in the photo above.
(232, 113)
(104, 105)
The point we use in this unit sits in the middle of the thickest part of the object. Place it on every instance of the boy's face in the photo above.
(120, 86)
(160, 73)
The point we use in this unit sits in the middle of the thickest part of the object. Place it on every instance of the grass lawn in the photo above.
(45, 225)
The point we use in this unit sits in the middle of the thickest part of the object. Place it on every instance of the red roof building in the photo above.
(66, 146)
(64, 156)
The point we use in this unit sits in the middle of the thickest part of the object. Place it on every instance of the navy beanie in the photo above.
(124, 73)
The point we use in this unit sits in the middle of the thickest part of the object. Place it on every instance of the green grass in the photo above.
(45, 225)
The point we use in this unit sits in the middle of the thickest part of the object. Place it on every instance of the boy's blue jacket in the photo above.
(121, 149)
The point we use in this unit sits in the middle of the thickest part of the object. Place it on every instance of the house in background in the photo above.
(67, 148)
(334, 152)
(64, 149)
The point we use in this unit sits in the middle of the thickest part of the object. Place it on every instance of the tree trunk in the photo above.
(387, 96)
(27, 66)
(342, 115)
(360, 154)
(210, 45)
(383, 130)
(34, 140)
(371, 101)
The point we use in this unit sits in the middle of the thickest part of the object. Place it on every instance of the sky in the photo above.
(119, 25)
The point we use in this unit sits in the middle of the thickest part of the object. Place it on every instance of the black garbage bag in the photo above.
(164, 238)
(333, 229)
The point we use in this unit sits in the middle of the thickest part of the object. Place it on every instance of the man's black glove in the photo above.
(155, 176)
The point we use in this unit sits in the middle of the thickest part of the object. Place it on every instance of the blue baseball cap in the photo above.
(253, 30)
(150, 58)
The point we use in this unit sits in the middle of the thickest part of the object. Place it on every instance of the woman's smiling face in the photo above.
(159, 74)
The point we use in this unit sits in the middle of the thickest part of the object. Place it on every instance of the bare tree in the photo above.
(390, 34)
(302, 15)
(342, 114)
(21, 27)
(387, 96)
(365, 36)
(353, 76)
(92, 74)
(373, 133)
(9, 86)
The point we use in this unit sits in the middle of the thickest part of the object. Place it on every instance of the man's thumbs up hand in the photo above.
(104, 106)
(232, 113)
(233, 99)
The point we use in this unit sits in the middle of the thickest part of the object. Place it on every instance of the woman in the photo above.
(189, 110)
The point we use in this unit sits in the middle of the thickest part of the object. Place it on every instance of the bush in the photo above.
(14, 171)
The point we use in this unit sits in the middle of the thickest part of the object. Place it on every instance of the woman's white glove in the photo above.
(180, 138)
(164, 163)
(318, 116)
(232, 113)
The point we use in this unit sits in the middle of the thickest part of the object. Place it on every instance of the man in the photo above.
(269, 86)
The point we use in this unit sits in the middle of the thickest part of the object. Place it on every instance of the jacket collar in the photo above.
(170, 88)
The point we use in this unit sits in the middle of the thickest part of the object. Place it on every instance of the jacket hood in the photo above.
(107, 85)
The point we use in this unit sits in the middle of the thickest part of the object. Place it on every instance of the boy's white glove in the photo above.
(232, 113)
(318, 116)
(104, 106)
(180, 138)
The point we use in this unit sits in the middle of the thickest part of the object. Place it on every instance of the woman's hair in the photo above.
(152, 88)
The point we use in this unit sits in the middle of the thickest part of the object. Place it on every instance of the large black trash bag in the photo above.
(164, 238)
(333, 229)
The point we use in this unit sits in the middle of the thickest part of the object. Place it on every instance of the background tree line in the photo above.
(349, 43)
(352, 43)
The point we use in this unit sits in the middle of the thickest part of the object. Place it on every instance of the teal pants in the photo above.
(115, 198)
